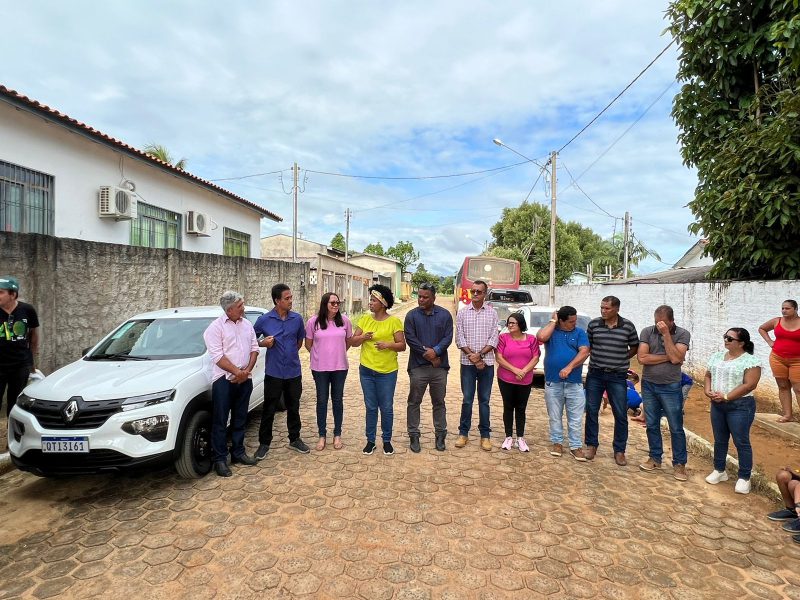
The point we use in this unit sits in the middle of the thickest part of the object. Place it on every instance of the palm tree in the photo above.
(161, 153)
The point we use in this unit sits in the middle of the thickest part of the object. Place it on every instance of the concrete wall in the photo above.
(280, 246)
(707, 310)
(80, 166)
(384, 266)
(82, 290)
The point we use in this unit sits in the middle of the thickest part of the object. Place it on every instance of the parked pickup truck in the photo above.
(507, 302)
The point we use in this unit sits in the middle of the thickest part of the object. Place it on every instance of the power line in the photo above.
(617, 97)
(248, 176)
(575, 183)
(614, 143)
(353, 176)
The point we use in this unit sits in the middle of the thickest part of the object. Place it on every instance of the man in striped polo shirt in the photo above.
(613, 340)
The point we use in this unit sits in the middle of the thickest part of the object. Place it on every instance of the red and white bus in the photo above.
(496, 272)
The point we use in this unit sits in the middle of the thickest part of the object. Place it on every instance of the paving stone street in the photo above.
(462, 524)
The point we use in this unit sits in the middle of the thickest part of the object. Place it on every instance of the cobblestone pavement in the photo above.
(459, 524)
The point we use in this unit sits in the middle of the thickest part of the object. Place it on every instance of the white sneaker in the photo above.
(742, 486)
(508, 443)
(716, 476)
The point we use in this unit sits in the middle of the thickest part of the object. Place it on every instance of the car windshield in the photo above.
(509, 296)
(154, 339)
(542, 318)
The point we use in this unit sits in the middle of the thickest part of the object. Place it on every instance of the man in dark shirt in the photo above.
(613, 341)
(19, 341)
(661, 352)
(283, 334)
(429, 333)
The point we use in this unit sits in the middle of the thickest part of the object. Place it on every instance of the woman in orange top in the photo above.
(785, 356)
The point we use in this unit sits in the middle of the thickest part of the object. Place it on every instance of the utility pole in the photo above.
(295, 171)
(626, 244)
(552, 283)
(347, 214)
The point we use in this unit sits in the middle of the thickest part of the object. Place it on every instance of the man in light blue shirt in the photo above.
(566, 349)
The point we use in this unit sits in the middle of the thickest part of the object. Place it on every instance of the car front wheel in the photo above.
(194, 455)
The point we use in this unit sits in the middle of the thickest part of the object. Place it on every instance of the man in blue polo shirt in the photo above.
(566, 349)
(283, 334)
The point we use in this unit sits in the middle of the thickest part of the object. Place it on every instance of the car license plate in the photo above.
(65, 445)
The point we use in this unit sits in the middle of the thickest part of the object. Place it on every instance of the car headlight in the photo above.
(136, 402)
(153, 429)
(25, 402)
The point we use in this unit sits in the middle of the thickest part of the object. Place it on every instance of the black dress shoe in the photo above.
(222, 469)
(415, 447)
(243, 459)
(440, 441)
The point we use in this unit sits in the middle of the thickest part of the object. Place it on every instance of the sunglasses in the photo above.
(728, 338)
(477, 292)
(334, 303)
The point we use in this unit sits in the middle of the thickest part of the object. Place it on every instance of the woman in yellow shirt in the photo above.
(380, 336)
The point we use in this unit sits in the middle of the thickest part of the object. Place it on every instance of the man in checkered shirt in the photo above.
(476, 337)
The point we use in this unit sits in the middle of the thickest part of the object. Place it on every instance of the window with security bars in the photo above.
(155, 227)
(26, 200)
(235, 243)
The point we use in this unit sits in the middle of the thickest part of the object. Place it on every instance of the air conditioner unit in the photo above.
(116, 203)
(198, 223)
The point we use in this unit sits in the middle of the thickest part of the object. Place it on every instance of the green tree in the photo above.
(338, 242)
(375, 248)
(738, 117)
(446, 285)
(405, 253)
(421, 275)
(161, 153)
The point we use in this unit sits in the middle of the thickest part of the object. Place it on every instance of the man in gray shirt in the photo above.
(662, 350)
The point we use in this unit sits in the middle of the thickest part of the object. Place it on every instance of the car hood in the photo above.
(103, 380)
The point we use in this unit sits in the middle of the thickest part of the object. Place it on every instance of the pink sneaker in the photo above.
(523, 445)
(507, 443)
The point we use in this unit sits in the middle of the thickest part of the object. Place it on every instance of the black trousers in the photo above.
(515, 402)
(291, 390)
(12, 381)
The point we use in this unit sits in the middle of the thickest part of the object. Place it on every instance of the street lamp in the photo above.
(552, 163)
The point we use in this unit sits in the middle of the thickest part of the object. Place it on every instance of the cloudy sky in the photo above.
(388, 91)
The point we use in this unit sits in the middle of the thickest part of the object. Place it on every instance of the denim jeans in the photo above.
(612, 382)
(228, 398)
(557, 396)
(378, 389)
(666, 399)
(329, 384)
(472, 377)
(733, 419)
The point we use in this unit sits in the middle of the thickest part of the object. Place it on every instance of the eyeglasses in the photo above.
(728, 338)
(477, 292)
(334, 303)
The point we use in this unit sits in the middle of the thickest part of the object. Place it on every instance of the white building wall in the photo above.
(707, 310)
(80, 165)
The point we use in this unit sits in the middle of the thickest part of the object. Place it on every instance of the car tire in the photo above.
(194, 455)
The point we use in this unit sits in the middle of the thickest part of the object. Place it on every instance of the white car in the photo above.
(537, 317)
(141, 396)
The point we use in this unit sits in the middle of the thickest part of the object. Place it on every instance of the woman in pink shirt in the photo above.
(517, 354)
(328, 336)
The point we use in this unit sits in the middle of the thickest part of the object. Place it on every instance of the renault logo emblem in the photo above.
(70, 411)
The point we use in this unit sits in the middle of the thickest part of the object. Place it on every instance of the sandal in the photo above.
(321, 444)
(783, 419)
(337, 443)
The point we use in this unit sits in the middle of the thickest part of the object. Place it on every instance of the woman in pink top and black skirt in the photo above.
(785, 356)
(517, 354)
(328, 336)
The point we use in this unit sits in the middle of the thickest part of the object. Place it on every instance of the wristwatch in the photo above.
(482, 355)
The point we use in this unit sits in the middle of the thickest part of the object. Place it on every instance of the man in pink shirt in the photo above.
(233, 348)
